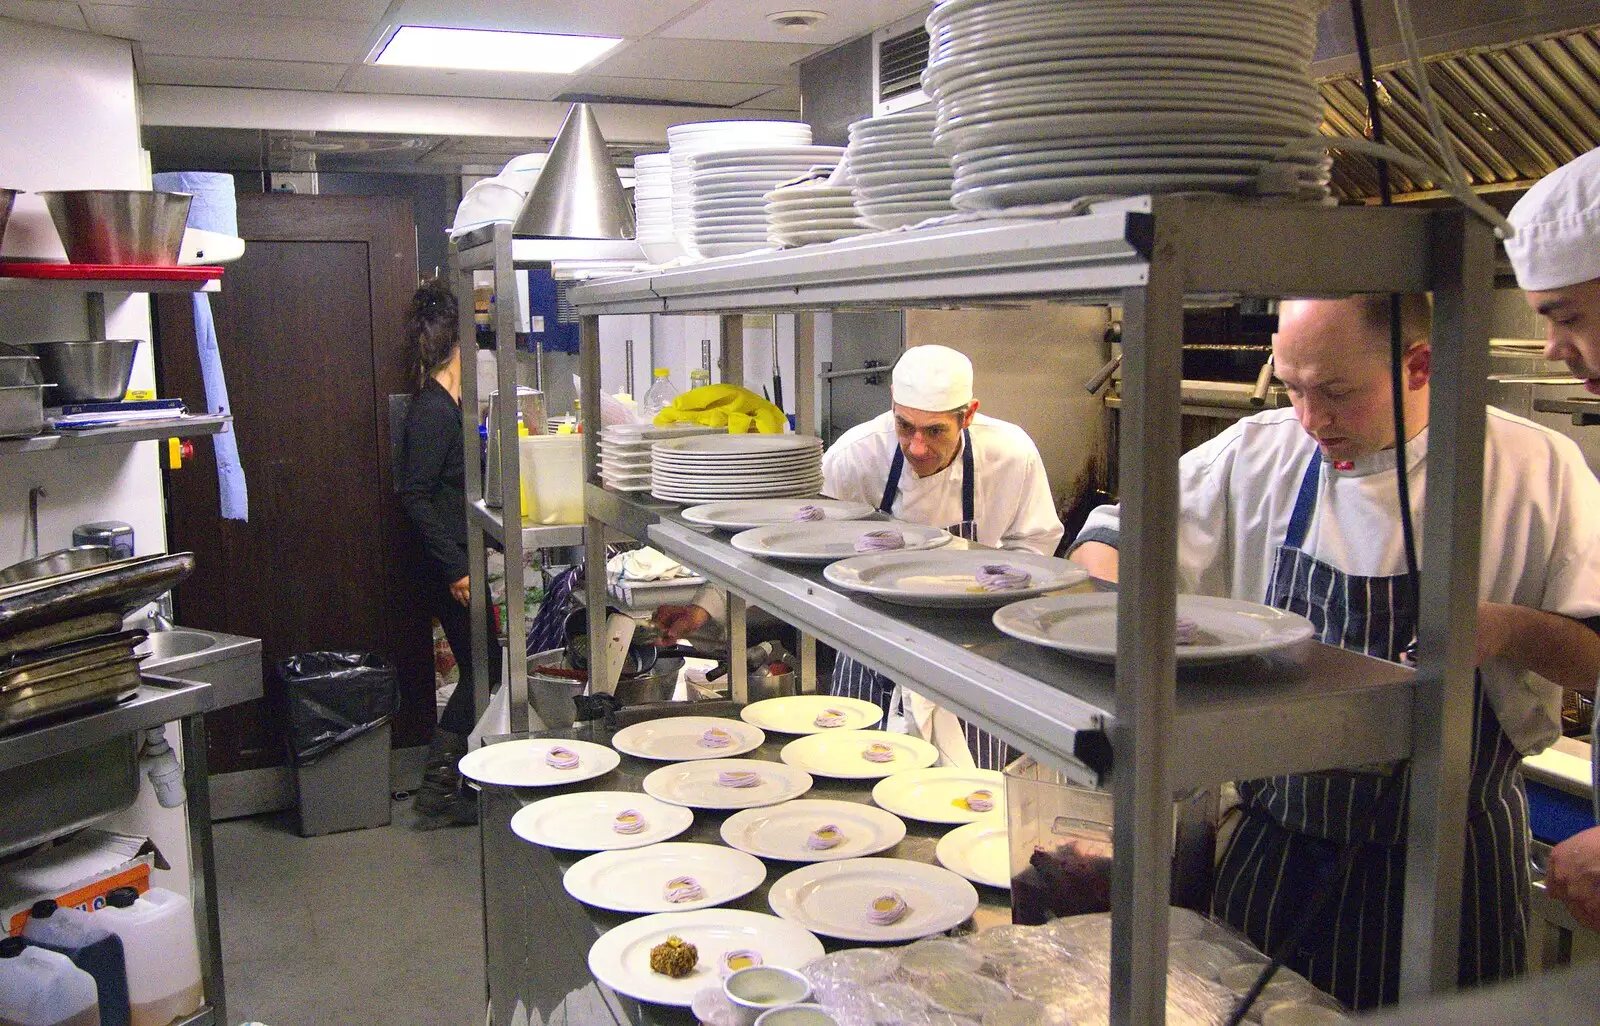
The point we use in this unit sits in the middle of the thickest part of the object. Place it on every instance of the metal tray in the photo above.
(51, 635)
(66, 659)
(119, 587)
(21, 410)
(74, 691)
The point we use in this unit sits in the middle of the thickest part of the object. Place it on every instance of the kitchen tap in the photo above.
(160, 618)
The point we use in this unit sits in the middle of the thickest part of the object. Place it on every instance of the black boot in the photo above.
(441, 780)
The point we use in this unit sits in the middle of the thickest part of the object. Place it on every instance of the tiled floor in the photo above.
(365, 927)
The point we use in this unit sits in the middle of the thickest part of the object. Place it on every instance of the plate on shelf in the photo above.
(781, 831)
(737, 445)
(620, 958)
(1086, 626)
(827, 540)
(838, 754)
(582, 821)
(748, 513)
(634, 880)
(797, 714)
(678, 738)
(936, 795)
(522, 763)
(832, 898)
(948, 577)
(695, 785)
(979, 851)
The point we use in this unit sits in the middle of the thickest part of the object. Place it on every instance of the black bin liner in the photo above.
(334, 697)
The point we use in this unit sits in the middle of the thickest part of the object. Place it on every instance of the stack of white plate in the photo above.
(685, 141)
(1040, 101)
(652, 206)
(900, 178)
(730, 190)
(719, 467)
(811, 211)
(625, 452)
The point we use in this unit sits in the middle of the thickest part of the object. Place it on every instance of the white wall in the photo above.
(69, 119)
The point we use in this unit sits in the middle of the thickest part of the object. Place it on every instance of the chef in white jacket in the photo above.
(931, 459)
(1298, 509)
(1556, 255)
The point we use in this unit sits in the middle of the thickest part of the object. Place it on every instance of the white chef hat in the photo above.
(932, 378)
(1558, 227)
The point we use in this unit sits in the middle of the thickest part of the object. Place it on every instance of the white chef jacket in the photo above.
(1541, 529)
(1012, 499)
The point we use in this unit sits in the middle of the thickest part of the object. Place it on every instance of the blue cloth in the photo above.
(214, 210)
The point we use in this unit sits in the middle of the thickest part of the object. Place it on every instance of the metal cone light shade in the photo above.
(578, 194)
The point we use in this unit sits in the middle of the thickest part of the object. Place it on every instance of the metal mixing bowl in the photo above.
(87, 371)
(120, 226)
(61, 561)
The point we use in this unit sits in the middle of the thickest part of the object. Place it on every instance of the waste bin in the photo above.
(339, 706)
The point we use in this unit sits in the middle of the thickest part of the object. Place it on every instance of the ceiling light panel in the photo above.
(425, 46)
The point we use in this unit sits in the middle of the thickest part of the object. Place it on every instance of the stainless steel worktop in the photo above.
(160, 700)
(538, 936)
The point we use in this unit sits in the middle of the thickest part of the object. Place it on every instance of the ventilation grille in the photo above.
(901, 59)
(565, 314)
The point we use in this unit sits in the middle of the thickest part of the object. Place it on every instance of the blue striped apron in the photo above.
(852, 680)
(1294, 827)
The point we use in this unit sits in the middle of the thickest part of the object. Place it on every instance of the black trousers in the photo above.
(460, 716)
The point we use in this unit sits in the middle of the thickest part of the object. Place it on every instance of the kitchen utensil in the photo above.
(18, 367)
(949, 577)
(833, 898)
(838, 754)
(51, 635)
(781, 831)
(633, 880)
(935, 795)
(120, 226)
(21, 410)
(755, 990)
(120, 587)
(678, 738)
(696, 785)
(521, 763)
(1086, 626)
(978, 851)
(620, 958)
(583, 821)
(61, 561)
(797, 714)
(619, 638)
(114, 533)
(87, 370)
(642, 653)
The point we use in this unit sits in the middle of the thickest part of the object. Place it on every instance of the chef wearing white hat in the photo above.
(1556, 255)
(934, 459)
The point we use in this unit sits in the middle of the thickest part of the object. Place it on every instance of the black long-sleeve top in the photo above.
(433, 479)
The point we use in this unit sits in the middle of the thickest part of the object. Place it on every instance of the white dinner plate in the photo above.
(936, 795)
(948, 577)
(732, 249)
(1086, 626)
(833, 898)
(827, 540)
(677, 738)
(635, 880)
(761, 154)
(521, 763)
(735, 445)
(739, 516)
(620, 958)
(838, 754)
(582, 821)
(692, 496)
(797, 714)
(979, 851)
(694, 784)
(781, 831)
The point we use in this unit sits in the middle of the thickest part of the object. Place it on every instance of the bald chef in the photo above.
(932, 459)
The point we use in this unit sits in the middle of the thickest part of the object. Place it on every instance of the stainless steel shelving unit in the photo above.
(121, 434)
(1136, 728)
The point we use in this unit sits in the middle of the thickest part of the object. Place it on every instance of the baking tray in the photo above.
(107, 272)
(119, 587)
(65, 632)
(71, 692)
(36, 668)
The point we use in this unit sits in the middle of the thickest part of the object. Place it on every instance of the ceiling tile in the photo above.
(743, 20)
(197, 34)
(236, 73)
(721, 94)
(606, 17)
(700, 60)
(368, 78)
(45, 12)
(783, 98)
(366, 11)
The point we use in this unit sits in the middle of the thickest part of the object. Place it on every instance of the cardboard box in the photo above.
(76, 873)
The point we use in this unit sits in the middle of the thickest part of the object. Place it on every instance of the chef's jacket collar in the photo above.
(1378, 462)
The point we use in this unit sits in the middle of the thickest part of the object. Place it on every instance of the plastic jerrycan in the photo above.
(91, 947)
(43, 988)
(157, 932)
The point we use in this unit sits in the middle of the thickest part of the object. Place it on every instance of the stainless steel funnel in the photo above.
(578, 194)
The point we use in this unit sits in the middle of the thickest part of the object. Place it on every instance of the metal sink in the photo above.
(228, 662)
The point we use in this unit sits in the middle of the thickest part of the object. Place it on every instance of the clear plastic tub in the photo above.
(552, 479)
(43, 988)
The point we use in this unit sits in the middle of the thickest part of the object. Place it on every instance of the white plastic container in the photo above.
(157, 932)
(44, 988)
(552, 479)
(91, 946)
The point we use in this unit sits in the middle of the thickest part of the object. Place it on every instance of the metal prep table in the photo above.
(538, 936)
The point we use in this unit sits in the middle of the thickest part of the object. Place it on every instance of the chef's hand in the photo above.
(678, 622)
(461, 590)
(1574, 876)
(1101, 560)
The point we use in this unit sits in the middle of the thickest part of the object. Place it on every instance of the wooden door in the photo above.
(310, 326)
